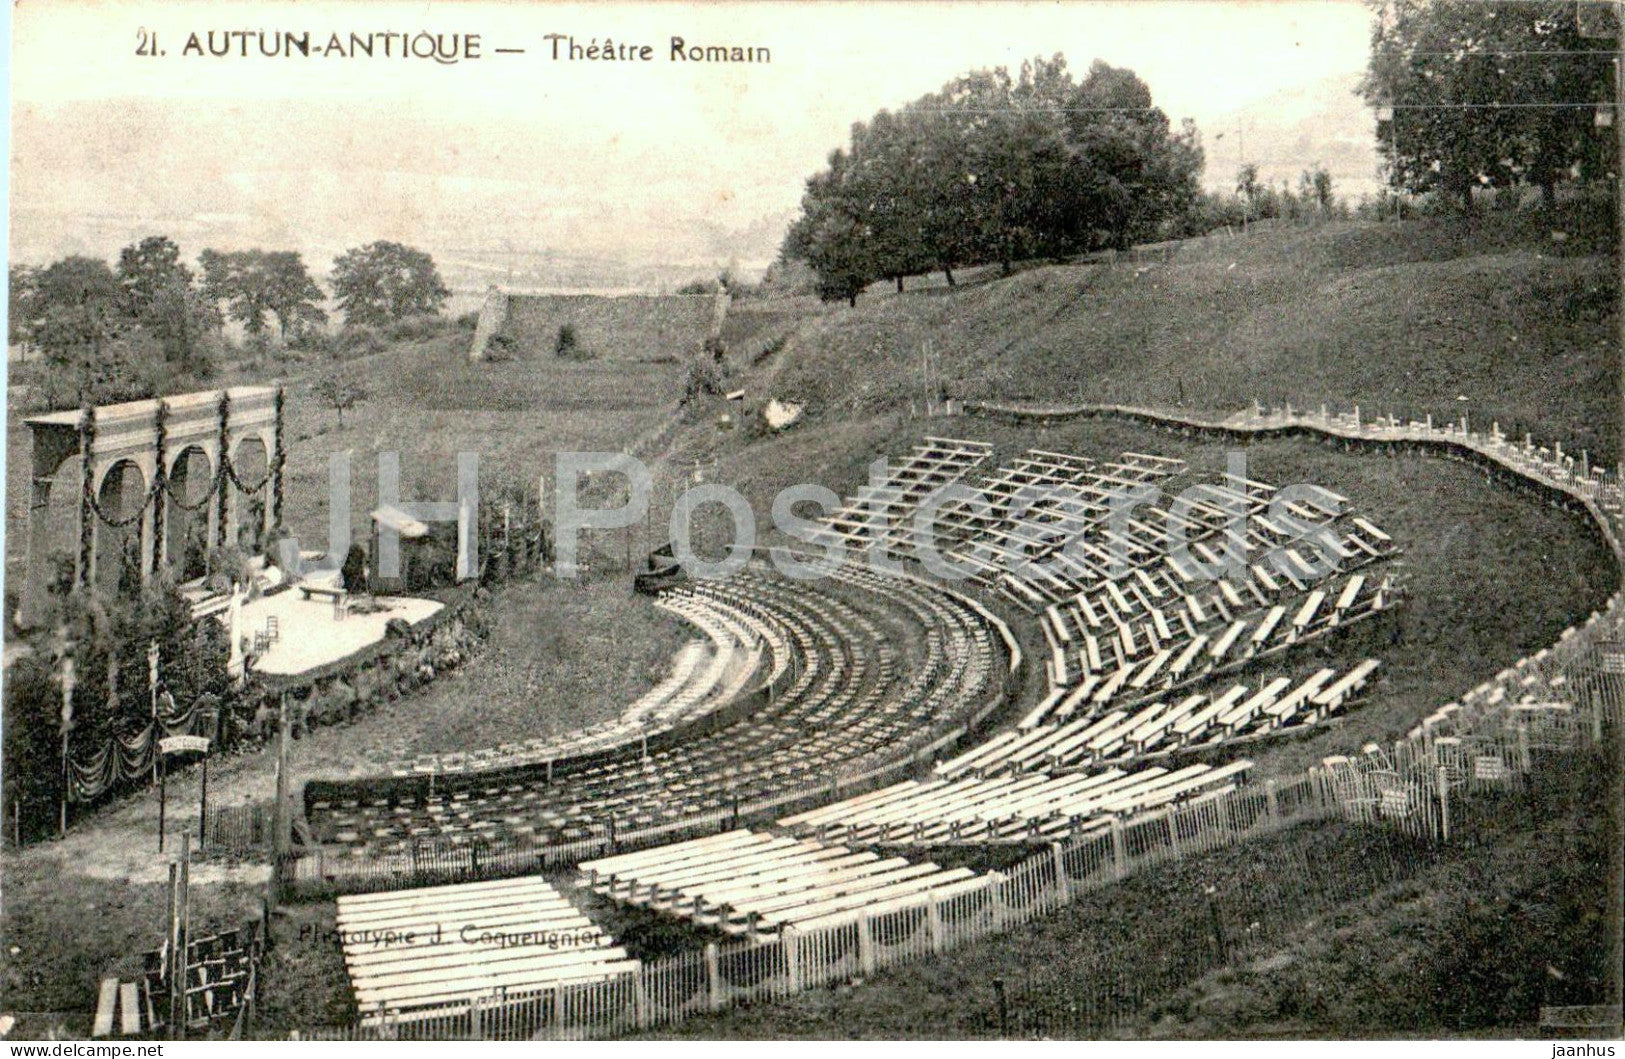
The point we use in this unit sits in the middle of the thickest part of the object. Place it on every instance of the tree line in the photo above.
(110, 333)
(1473, 95)
(996, 167)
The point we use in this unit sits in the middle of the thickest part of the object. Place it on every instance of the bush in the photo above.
(354, 570)
(569, 344)
(359, 340)
(413, 328)
(705, 377)
(468, 321)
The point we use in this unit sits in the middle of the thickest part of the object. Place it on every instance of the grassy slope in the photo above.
(1396, 317)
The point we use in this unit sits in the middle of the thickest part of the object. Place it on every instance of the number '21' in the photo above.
(146, 42)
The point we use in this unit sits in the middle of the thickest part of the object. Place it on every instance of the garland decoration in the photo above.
(87, 495)
(224, 441)
(160, 482)
(279, 458)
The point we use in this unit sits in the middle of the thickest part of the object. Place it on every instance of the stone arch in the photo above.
(119, 555)
(186, 511)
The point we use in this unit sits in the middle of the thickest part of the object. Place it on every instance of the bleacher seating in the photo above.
(856, 699)
(745, 649)
(750, 882)
(1016, 808)
(879, 509)
(418, 950)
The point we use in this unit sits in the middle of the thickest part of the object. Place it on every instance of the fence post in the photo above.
(713, 977)
(790, 944)
(933, 925)
(1272, 802)
(1444, 805)
(640, 1002)
(1119, 850)
(1063, 885)
(1173, 832)
(866, 945)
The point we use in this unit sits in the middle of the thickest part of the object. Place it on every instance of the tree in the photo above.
(157, 293)
(1446, 67)
(339, 394)
(256, 284)
(995, 167)
(241, 280)
(75, 313)
(146, 270)
(383, 282)
(22, 293)
(294, 295)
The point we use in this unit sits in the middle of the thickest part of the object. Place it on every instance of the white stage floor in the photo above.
(309, 635)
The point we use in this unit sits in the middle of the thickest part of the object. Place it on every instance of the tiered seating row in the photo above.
(749, 882)
(701, 680)
(875, 510)
(1167, 724)
(851, 706)
(1008, 809)
(1018, 483)
(1187, 641)
(1034, 555)
(419, 949)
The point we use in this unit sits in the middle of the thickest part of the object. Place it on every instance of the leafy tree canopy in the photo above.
(383, 282)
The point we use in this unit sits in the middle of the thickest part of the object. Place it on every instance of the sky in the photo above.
(587, 174)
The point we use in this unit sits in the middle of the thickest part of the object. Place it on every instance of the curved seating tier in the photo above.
(1010, 809)
(704, 676)
(1168, 725)
(884, 666)
(412, 952)
(754, 882)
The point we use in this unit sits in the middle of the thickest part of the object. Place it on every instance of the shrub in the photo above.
(569, 344)
(354, 570)
(359, 340)
(704, 377)
(468, 321)
(412, 328)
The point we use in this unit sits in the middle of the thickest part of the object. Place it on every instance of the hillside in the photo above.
(1500, 317)
(629, 327)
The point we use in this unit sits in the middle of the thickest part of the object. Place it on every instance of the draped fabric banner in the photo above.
(126, 757)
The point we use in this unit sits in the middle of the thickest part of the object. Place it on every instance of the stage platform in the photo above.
(310, 637)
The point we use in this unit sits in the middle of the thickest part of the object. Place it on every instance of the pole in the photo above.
(163, 796)
(279, 819)
(152, 692)
(68, 682)
(178, 963)
(203, 802)
(1619, 210)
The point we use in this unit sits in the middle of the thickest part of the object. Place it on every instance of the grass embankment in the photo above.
(1402, 317)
